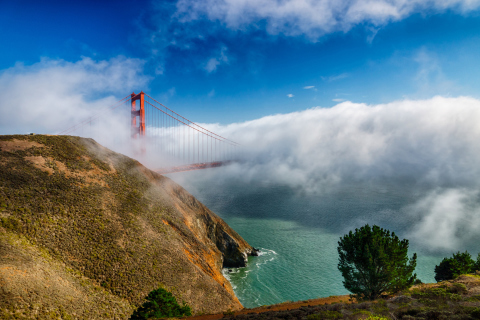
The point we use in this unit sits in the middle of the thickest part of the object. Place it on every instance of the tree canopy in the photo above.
(374, 261)
(459, 263)
(160, 304)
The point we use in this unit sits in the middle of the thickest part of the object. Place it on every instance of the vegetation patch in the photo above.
(161, 304)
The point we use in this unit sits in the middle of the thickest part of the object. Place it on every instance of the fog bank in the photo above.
(426, 149)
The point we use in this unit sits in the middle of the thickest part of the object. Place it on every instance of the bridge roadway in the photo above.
(195, 166)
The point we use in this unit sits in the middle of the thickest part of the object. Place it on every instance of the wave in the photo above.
(250, 283)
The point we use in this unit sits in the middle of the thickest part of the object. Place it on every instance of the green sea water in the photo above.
(298, 233)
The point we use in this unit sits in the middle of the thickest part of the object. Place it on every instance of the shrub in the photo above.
(374, 261)
(450, 268)
(458, 288)
(475, 313)
(325, 315)
(160, 304)
(433, 296)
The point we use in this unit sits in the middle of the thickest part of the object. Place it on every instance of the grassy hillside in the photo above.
(454, 299)
(88, 233)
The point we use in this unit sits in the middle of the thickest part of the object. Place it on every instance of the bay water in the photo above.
(297, 232)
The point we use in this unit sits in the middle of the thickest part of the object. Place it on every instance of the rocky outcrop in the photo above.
(235, 253)
(234, 249)
(99, 231)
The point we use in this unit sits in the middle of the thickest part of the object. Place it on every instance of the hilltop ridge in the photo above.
(86, 232)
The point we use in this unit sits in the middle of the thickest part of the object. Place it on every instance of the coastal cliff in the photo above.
(86, 232)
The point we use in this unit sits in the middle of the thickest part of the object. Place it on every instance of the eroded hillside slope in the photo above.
(87, 232)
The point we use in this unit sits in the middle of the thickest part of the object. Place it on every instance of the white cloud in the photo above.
(309, 87)
(213, 63)
(449, 219)
(372, 32)
(313, 18)
(429, 145)
(290, 95)
(47, 96)
(433, 140)
(430, 78)
(338, 100)
(336, 77)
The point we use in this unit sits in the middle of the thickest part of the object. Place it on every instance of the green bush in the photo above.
(450, 268)
(374, 261)
(160, 304)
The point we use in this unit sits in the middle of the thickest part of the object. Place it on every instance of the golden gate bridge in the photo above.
(181, 144)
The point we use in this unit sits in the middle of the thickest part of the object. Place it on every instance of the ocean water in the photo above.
(298, 232)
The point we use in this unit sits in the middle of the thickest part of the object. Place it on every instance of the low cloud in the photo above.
(309, 87)
(432, 140)
(290, 95)
(449, 219)
(427, 149)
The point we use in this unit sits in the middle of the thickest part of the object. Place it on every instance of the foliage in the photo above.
(327, 314)
(437, 294)
(476, 265)
(160, 304)
(374, 261)
(450, 268)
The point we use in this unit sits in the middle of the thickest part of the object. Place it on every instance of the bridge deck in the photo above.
(195, 166)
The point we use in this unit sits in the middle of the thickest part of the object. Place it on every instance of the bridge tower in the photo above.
(140, 130)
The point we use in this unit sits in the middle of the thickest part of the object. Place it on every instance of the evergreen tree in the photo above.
(460, 263)
(160, 304)
(374, 261)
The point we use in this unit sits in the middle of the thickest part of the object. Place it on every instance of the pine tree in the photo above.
(374, 261)
(160, 304)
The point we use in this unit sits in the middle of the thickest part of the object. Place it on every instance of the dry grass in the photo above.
(101, 215)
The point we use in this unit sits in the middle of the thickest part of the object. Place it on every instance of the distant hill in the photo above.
(87, 233)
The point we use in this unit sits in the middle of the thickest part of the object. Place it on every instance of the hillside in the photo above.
(452, 299)
(88, 233)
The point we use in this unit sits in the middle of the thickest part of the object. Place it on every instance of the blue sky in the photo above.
(225, 61)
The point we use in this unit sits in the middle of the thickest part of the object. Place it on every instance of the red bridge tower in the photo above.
(138, 113)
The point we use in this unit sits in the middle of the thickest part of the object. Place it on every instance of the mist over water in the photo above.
(298, 232)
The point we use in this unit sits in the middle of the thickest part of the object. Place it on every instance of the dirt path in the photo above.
(278, 307)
